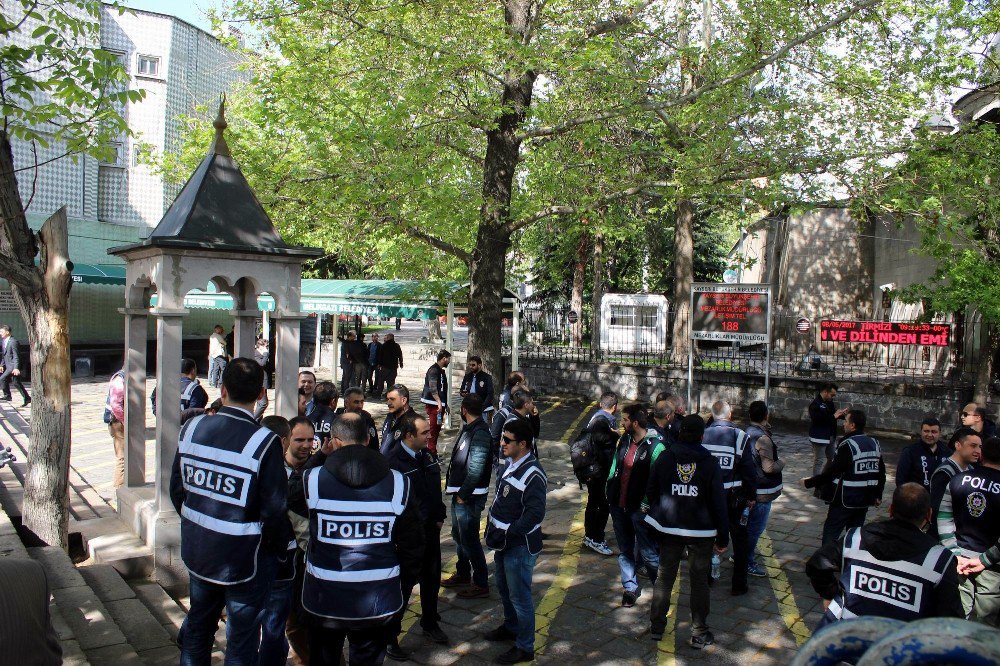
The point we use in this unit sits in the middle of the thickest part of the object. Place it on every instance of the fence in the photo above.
(792, 354)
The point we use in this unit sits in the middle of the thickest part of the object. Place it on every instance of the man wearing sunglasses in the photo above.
(973, 416)
(513, 531)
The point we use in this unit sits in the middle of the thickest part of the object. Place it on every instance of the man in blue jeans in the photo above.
(769, 480)
(229, 487)
(468, 483)
(514, 532)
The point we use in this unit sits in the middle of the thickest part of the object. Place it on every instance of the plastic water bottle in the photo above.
(745, 516)
(716, 566)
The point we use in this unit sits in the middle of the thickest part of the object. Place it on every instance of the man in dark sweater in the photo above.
(918, 461)
(603, 429)
(687, 510)
(823, 417)
(390, 360)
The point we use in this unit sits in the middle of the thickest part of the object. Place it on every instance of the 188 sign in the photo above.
(730, 312)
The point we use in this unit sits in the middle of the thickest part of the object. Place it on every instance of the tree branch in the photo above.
(17, 273)
(843, 17)
(434, 241)
(564, 209)
(617, 21)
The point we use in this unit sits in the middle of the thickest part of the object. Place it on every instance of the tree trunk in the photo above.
(597, 293)
(487, 269)
(987, 353)
(576, 297)
(683, 277)
(42, 297)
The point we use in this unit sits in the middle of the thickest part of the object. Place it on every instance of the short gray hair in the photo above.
(609, 400)
(666, 407)
(721, 410)
(350, 429)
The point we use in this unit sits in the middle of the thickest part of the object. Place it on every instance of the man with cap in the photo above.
(687, 510)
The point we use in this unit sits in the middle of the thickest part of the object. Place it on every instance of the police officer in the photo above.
(193, 394)
(889, 568)
(969, 524)
(514, 532)
(354, 403)
(478, 382)
(687, 509)
(397, 399)
(322, 416)
(968, 449)
(412, 459)
(521, 407)
(365, 539)
(739, 478)
(918, 461)
(229, 487)
(858, 475)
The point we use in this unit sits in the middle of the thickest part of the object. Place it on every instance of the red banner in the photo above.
(885, 333)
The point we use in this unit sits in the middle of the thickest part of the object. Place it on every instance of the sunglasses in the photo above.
(966, 414)
(509, 440)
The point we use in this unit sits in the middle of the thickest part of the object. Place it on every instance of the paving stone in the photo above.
(63, 631)
(87, 618)
(114, 655)
(58, 567)
(142, 630)
(72, 655)
(161, 605)
(11, 546)
(106, 582)
(164, 656)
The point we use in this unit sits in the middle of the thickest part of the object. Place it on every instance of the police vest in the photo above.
(390, 435)
(508, 506)
(108, 414)
(768, 483)
(459, 467)
(322, 418)
(975, 504)
(352, 571)
(188, 392)
(727, 443)
(899, 589)
(220, 518)
(684, 506)
(288, 562)
(859, 485)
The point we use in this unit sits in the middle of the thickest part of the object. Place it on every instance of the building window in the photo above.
(116, 158)
(147, 65)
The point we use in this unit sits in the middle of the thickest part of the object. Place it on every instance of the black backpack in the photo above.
(585, 457)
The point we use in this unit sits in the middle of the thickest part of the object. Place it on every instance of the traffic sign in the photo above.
(572, 316)
(803, 325)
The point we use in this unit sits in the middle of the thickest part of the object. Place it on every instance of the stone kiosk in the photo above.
(215, 231)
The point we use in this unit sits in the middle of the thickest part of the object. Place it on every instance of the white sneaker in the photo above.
(597, 547)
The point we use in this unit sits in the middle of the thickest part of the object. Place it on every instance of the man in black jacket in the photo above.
(478, 382)
(435, 395)
(390, 360)
(823, 417)
(323, 414)
(603, 429)
(522, 407)
(352, 602)
(354, 403)
(10, 366)
(918, 461)
(412, 459)
(888, 568)
(687, 510)
(397, 399)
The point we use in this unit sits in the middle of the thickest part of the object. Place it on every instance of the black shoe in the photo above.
(656, 635)
(703, 641)
(515, 655)
(436, 635)
(396, 653)
(739, 591)
(629, 598)
(27, 401)
(501, 633)
(6, 397)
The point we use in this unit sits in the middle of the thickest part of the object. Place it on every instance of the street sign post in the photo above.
(731, 313)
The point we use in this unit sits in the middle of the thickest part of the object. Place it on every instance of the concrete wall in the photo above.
(898, 407)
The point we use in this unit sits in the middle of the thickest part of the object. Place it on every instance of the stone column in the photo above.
(169, 329)
(245, 333)
(136, 321)
(286, 371)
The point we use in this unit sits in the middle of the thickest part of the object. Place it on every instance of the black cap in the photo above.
(692, 428)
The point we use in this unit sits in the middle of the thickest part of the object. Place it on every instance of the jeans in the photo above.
(595, 518)
(513, 576)
(273, 644)
(699, 567)
(635, 546)
(216, 367)
(759, 514)
(839, 518)
(367, 646)
(245, 604)
(465, 531)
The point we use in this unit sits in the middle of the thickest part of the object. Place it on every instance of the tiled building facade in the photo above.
(118, 202)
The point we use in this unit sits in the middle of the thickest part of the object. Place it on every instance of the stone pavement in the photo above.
(577, 592)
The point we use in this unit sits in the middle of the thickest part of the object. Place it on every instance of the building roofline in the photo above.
(164, 15)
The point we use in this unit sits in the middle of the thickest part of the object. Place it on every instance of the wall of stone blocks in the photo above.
(896, 407)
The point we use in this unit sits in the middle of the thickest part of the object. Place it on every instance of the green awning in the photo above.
(99, 273)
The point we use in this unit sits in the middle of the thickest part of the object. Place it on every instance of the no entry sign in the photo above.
(885, 333)
(730, 312)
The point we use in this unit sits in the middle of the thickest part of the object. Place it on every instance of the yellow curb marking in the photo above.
(783, 594)
(667, 647)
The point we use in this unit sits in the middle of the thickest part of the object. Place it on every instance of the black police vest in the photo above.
(975, 504)
(508, 506)
(859, 485)
(390, 435)
(768, 483)
(352, 571)
(899, 589)
(322, 418)
(727, 444)
(459, 467)
(187, 391)
(220, 518)
(684, 506)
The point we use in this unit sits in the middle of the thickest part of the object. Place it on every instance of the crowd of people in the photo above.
(315, 530)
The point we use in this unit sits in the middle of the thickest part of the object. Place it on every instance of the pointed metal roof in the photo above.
(217, 210)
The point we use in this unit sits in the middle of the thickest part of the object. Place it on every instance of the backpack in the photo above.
(585, 457)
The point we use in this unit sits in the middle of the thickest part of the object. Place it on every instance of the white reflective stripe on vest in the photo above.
(313, 501)
(768, 491)
(677, 530)
(817, 440)
(366, 576)
(860, 484)
(398, 500)
(189, 391)
(839, 611)
(220, 526)
(925, 571)
(246, 459)
(522, 482)
(497, 523)
(451, 490)
(732, 484)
